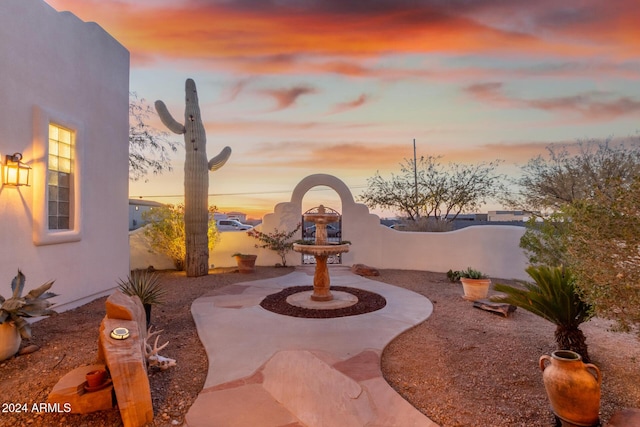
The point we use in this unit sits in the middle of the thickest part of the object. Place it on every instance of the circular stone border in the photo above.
(367, 302)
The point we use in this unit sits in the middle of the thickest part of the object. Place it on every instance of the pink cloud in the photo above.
(349, 105)
(285, 98)
(591, 105)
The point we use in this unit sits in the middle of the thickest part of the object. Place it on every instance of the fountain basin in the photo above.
(321, 250)
(321, 217)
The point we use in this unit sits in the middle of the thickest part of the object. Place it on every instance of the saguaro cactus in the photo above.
(196, 178)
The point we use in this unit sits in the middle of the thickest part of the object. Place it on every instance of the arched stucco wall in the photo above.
(492, 249)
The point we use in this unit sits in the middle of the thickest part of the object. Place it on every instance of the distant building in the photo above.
(137, 208)
(468, 217)
(506, 216)
(238, 216)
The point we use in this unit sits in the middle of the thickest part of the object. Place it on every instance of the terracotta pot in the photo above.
(10, 340)
(475, 289)
(573, 387)
(96, 378)
(246, 263)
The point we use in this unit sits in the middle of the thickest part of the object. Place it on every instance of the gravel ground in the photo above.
(462, 367)
(467, 367)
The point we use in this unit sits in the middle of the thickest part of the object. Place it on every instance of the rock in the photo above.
(128, 369)
(628, 417)
(28, 349)
(125, 307)
(70, 391)
(495, 307)
(364, 270)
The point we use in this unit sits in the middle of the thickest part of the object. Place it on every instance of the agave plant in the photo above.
(553, 297)
(144, 285)
(34, 304)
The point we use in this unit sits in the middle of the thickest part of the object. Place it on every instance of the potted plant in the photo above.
(13, 311)
(474, 283)
(146, 286)
(246, 262)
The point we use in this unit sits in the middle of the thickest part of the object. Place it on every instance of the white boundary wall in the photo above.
(492, 249)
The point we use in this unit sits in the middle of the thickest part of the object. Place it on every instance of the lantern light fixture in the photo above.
(15, 172)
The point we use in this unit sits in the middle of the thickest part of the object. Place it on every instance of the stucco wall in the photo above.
(57, 67)
(492, 249)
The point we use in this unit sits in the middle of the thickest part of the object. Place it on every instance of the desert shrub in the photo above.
(167, 235)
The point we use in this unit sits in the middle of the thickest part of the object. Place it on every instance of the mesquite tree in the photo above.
(196, 178)
(429, 189)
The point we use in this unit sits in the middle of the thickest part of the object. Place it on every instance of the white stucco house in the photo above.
(64, 94)
(137, 208)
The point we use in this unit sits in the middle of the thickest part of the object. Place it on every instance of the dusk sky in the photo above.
(297, 87)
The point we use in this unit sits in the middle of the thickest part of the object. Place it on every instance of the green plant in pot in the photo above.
(146, 286)
(14, 310)
(474, 283)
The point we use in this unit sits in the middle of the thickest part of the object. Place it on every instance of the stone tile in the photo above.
(315, 392)
(629, 417)
(247, 406)
(391, 409)
(363, 366)
(256, 378)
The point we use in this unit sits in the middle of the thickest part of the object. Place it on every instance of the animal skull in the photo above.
(151, 354)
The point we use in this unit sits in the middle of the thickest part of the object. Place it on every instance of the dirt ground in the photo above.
(461, 367)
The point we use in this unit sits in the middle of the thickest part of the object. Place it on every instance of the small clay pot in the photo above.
(96, 378)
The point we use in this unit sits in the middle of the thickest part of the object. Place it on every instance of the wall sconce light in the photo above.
(15, 172)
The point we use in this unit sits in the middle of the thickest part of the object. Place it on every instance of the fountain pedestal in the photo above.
(321, 251)
(321, 280)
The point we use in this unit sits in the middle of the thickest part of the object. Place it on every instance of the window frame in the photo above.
(42, 235)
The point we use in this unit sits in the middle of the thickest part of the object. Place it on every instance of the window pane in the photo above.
(53, 193)
(52, 178)
(63, 208)
(64, 165)
(63, 223)
(63, 194)
(53, 163)
(63, 180)
(53, 208)
(53, 223)
(53, 131)
(65, 151)
(64, 136)
(53, 147)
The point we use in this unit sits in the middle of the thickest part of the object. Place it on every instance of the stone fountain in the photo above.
(321, 250)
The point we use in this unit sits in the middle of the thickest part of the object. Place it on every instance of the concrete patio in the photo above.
(269, 370)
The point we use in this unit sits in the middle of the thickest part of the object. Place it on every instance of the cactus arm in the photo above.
(168, 119)
(218, 161)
